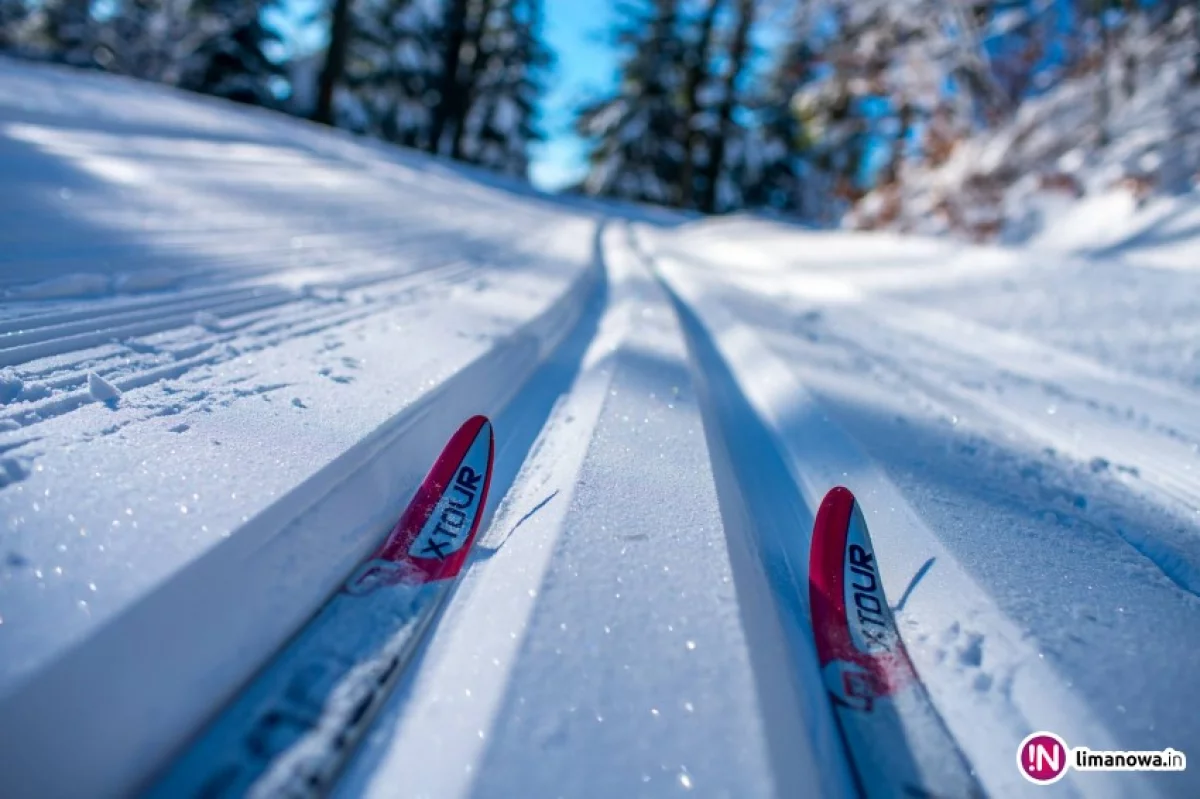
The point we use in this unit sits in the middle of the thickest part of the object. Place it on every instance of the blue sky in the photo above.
(575, 30)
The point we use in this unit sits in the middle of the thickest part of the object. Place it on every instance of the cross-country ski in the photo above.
(896, 742)
(292, 729)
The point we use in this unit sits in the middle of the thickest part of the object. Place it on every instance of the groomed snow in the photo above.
(232, 343)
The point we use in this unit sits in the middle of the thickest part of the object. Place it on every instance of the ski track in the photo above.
(818, 454)
(1060, 403)
(485, 685)
(1102, 487)
(230, 345)
(226, 333)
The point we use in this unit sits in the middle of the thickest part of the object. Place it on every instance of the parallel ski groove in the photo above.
(141, 324)
(13, 329)
(818, 454)
(256, 264)
(301, 324)
(330, 679)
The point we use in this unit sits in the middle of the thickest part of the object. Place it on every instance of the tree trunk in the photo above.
(466, 90)
(1103, 102)
(1196, 31)
(739, 51)
(335, 62)
(449, 107)
(697, 72)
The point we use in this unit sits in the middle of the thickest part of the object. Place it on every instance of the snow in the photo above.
(101, 390)
(231, 344)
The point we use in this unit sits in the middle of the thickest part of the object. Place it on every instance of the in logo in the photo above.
(1042, 758)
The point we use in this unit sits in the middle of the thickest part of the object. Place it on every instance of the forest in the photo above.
(825, 111)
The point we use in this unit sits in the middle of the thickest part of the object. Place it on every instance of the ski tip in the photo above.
(856, 637)
(833, 516)
(477, 423)
(434, 536)
(838, 495)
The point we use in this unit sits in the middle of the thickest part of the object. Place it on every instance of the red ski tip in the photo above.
(435, 533)
(859, 649)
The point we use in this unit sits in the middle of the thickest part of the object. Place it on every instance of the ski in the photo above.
(897, 743)
(292, 730)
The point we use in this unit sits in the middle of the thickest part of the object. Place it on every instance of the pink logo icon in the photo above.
(1042, 758)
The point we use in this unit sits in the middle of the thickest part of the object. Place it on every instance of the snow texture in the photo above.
(231, 345)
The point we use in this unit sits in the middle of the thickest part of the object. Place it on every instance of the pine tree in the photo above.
(636, 150)
(232, 60)
(504, 85)
(738, 59)
(334, 66)
(391, 68)
(451, 104)
(13, 14)
(788, 180)
(151, 38)
(68, 33)
(697, 65)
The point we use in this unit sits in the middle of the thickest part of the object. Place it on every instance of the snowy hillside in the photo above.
(231, 344)
(1088, 151)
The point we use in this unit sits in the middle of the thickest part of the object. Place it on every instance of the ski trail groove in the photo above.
(1164, 467)
(289, 324)
(76, 697)
(818, 455)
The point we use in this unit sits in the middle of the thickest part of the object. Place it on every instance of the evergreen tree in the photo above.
(68, 33)
(697, 65)
(13, 14)
(504, 86)
(788, 180)
(391, 69)
(479, 23)
(151, 39)
(637, 153)
(737, 61)
(231, 59)
(451, 104)
(334, 67)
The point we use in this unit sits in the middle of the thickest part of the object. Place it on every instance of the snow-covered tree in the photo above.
(334, 66)
(232, 57)
(151, 39)
(735, 63)
(450, 102)
(67, 32)
(13, 14)
(391, 69)
(697, 65)
(883, 71)
(637, 153)
(504, 84)
(787, 179)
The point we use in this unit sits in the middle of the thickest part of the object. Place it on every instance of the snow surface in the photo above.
(232, 343)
